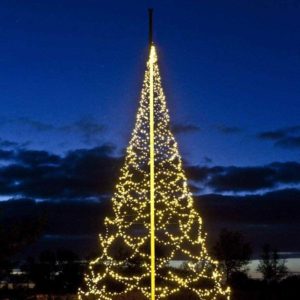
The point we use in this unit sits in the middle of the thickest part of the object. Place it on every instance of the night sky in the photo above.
(70, 79)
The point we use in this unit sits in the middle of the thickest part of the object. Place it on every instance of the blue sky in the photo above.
(230, 68)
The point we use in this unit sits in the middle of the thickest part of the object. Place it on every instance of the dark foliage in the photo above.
(232, 252)
(17, 234)
(56, 272)
(271, 266)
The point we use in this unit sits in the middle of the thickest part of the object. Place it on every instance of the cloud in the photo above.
(185, 128)
(268, 218)
(37, 125)
(228, 129)
(92, 172)
(8, 144)
(67, 183)
(272, 135)
(37, 158)
(289, 142)
(287, 137)
(6, 154)
(207, 159)
(79, 174)
(86, 128)
(202, 173)
(271, 217)
(246, 179)
(243, 179)
(268, 208)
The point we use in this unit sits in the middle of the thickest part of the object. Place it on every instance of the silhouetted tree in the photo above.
(232, 251)
(271, 266)
(57, 272)
(16, 235)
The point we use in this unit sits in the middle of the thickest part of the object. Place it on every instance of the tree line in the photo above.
(61, 272)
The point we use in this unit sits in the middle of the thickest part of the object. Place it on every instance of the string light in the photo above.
(178, 234)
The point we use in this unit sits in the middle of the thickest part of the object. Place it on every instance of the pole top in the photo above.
(150, 14)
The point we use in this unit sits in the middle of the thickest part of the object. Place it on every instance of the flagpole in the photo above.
(152, 159)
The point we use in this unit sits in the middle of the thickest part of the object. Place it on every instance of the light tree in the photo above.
(125, 263)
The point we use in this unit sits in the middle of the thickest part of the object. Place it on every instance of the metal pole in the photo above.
(150, 14)
(152, 160)
(152, 204)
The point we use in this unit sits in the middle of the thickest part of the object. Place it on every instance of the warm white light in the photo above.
(178, 227)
